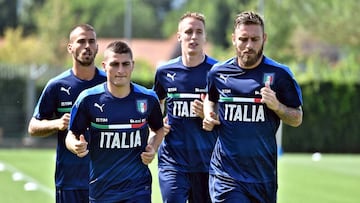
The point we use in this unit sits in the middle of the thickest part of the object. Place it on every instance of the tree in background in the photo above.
(8, 15)
(331, 23)
(54, 20)
(298, 30)
(19, 50)
(26, 11)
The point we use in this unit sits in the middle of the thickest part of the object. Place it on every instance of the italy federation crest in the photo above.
(268, 78)
(141, 106)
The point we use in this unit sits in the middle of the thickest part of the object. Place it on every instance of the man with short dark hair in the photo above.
(248, 95)
(118, 115)
(52, 113)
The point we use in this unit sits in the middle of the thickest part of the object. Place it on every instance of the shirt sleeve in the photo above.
(212, 91)
(79, 121)
(158, 87)
(155, 118)
(289, 91)
(46, 106)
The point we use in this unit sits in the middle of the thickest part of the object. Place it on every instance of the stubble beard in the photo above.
(85, 62)
(249, 61)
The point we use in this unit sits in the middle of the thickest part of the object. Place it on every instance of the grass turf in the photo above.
(333, 179)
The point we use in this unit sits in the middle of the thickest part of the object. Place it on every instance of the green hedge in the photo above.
(330, 122)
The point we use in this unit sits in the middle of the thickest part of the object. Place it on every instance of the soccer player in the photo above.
(118, 115)
(252, 93)
(51, 114)
(184, 155)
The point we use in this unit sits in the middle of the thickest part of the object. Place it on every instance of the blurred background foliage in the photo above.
(307, 34)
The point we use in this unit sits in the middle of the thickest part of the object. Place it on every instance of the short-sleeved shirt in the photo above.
(246, 149)
(57, 98)
(187, 147)
(118, 133)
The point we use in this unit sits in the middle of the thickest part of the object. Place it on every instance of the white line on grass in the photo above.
(31, 183)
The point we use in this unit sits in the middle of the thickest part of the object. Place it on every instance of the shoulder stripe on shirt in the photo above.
(184, 95)
(143, 90)
(240, 99)
(119, 126)
(64, 110)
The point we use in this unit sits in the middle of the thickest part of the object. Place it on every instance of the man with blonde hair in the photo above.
(180, 83)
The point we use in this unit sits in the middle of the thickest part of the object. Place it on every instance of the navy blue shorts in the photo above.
(72, 196)
(181, 187)
(136, 199)
(224, 189)
(130, 195)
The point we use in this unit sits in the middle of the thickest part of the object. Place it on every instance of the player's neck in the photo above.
(119, 91)
(84, 72)
(243, 66)
(193, 60)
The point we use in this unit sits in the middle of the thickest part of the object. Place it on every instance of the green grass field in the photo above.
(333, 179)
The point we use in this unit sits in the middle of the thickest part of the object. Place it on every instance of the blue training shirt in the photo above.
(187, 147)
(119, 130)
(246, 148)
(57, 98)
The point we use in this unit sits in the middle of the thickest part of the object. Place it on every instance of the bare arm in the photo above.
(45, 127)
(290, 116)
(75, 145)
(162, 106)
(154, 141)
(165, 120)
(210, 117)
(198, 106)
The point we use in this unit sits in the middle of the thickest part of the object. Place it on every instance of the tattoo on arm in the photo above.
(289, 115)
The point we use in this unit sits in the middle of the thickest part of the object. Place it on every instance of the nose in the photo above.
(120, 69)
(249, 43)
(194, 35)
(88, 43)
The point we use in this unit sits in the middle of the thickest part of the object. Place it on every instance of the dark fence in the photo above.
(20, 86)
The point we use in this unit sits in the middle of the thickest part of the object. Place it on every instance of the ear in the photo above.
(69, 48)
(97, 49)
(103, 64)
(265, 37)
(233, 38)
(178, 37)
